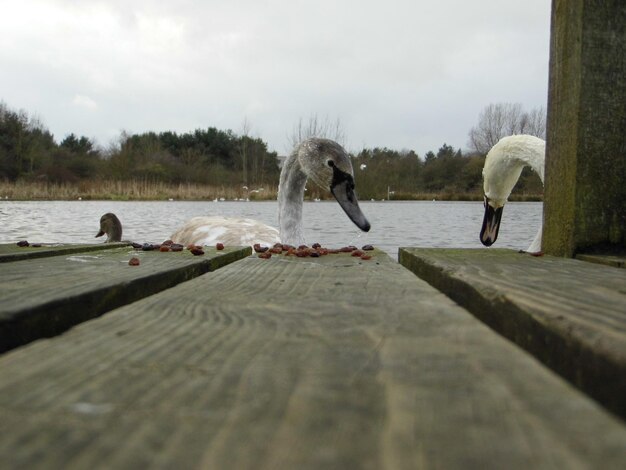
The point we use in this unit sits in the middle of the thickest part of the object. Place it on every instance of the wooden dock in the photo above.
(570, 314)
(329, 362)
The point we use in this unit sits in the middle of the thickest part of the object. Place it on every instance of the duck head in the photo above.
(111, 225)
(328, 165)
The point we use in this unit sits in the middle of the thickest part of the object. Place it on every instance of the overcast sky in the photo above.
(403, 74)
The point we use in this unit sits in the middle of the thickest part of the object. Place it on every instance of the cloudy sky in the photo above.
(405, 74)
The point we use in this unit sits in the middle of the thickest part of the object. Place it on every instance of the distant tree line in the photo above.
(28, 152)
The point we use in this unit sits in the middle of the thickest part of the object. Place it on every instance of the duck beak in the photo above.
(99, 234)
(342, 188)
(491, 224)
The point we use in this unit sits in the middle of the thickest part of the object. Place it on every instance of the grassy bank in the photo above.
(127, 191)
(138, 190)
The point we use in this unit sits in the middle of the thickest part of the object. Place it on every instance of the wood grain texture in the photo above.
(570, 314)
(615, 261)
(585, 195)
(295, 363)
(46, 296)
(12, 252)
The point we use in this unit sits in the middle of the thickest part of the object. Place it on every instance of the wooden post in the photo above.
(585, 189)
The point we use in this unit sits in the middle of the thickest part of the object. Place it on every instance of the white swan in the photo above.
(503, 165)
(325, 162)
(111, 225)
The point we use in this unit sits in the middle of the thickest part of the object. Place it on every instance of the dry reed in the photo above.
(133, 190)
(142, 190)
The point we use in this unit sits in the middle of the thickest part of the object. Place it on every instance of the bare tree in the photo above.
(513, 116)
(501, 119)
(315, 127)
(535, 122)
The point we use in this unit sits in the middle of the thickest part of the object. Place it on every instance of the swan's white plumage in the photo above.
(232, 231)
(504, 164)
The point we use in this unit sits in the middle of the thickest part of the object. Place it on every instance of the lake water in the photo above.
(394, 224)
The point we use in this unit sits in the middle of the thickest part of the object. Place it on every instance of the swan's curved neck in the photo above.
(503, 167)
(290, 201)
(531, 153)
(535, 160)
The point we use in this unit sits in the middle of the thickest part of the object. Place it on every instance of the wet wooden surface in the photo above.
(570, 314)
(333, 362)
(12, 252)
(44, 296)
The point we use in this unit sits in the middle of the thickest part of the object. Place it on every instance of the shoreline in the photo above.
(149, 191)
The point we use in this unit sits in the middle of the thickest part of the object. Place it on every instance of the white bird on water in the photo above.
(323, 161)
(503, 165)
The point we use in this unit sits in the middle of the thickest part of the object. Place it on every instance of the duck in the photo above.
(322, 161)
(503, 166)
(111, 226)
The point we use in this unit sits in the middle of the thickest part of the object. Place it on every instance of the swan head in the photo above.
(111, 225)
(328, 165)
(500, 173)
(503, 166)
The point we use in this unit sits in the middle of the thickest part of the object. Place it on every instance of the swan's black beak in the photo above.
(99, 234)
(491, 224)
(342, 188)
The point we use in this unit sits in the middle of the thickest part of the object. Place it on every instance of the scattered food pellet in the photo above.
(260, 249)
(176, 247)
(22, 243)
(147, 247)
(133, 261)
(315, 251)
(197, 251)
(219, 246)
(165, 248)
(136, 245)
(167, 243)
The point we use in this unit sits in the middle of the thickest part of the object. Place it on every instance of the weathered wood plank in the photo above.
(608, 260)
(46, 296)
(292, 363)
(584, 199)
(570, 314)
(12, 252)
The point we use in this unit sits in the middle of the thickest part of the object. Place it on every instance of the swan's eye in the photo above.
(330, 163)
